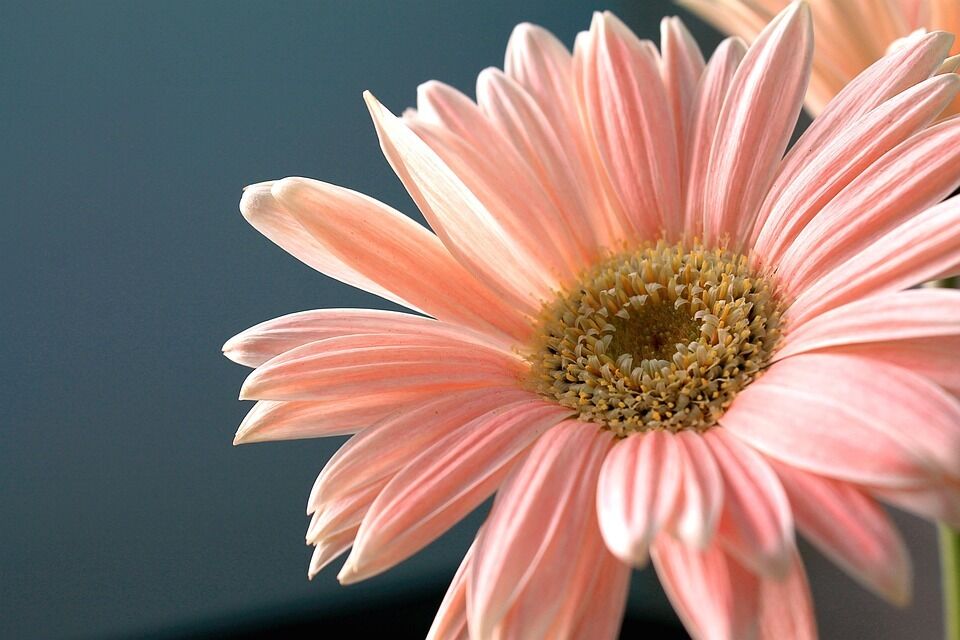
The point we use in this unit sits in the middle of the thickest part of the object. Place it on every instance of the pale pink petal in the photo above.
(385, 448)
(906, 316)
(852, 529)
(756, 525)
(444, 483)
(711, 94)
(932, 358)
(596, 593)
(397, 252)
(342, 511)
(466, 227)
(486, 159)
(637, 492)
(915, 175)
(379, 363)
(786, 607)
(923, 248)
(701, 500)
(450, 622)
(606, 602)
(681, 66)
(940, 503)
(715, 596)
(521, 120)
(542, 65)
(843, 158)
(269, 339)
(887, 77)
(628, 113)
(850, 418)
(537, 524)
(262, 210)
(755, 124)
(328, 550)
(269, 420)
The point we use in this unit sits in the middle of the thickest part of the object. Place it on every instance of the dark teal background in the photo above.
(128, 130)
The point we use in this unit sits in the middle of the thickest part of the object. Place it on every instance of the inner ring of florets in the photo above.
(659, 338)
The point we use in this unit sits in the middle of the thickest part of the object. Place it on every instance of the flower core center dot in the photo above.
(659, 338)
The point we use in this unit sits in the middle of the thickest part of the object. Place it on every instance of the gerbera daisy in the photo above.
(644, 328)
(851, 34)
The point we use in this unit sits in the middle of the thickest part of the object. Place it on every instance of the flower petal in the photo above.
(844, 417)
(923, 248)
(906, 316)
(396, 252)
(681, 66)
(637, 492)
(468, 230)
(387, 447)
(715, 597)
(365, 365)
(538, 522)
(786, 607)
(850, 528)
(711, 94)
(701, 501)
(450, 622)
(842, 159)
(626, 108)
(445, 483)
(269, 339)
(755, 124)
(756, 525)
(940, 503)
(915, 175)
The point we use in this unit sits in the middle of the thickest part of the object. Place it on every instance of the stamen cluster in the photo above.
(660, 338)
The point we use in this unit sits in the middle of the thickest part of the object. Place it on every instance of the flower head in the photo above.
(643, 327)
(851, 34)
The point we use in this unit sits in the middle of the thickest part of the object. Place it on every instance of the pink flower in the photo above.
(649, 332)
(851, 34)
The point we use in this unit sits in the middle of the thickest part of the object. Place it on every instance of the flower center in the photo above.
(660, 338)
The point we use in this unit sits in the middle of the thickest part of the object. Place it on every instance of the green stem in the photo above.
(950, 573)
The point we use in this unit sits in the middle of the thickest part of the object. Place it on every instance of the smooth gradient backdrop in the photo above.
(128, 130)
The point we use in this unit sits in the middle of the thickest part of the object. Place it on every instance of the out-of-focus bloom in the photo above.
(851, 34)
(648, 331)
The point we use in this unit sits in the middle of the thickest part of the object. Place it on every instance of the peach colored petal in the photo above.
(262, 210)
(328, 550)
(450, 623)
(487, 161)
(468, 230)
(756, 524)
(379, 363)
(915, 175)
(385, 448)
(843, 158)
(537, 524)
(710, 96)
(269, 420)
(852, 529)
(701, 500)
(755, 124)
(939, 503)
(444, 483)
(521, 120)
(905, 316)
(637, 492)
(932, 358)
(843, 417)
(885, 78)
(786, 607)
(341, 511)
(540, 63)
(629, 116)
(681, 66)
(923, 248)
(269, 339)
(397, 252)
(715, 597)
